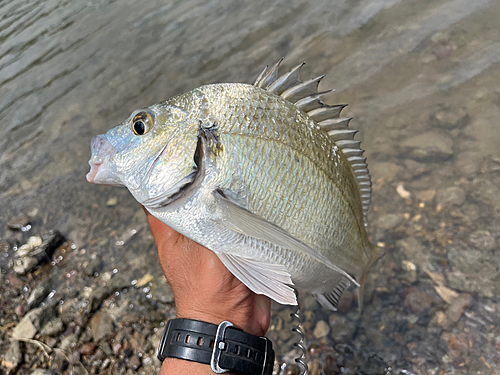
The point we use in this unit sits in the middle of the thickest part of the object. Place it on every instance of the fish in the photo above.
(266, 175)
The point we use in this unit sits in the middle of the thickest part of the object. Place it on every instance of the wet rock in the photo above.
(452, 196)
(416, 169)
(50, 242)
(487, 192)
(88, 349)
(389, 221)
(52, 328)
(21, 310)
(417, 300)
(20, 222)
(410, 271)
(73, 309)
(341, 328)
(426, 195)
(430, 146)
(93, 267)
(24, 265)
(457, 307)
(13, 357)
(101, 325)
(15, 282)
(134, 362)
(482, 239)
(40, 371)
(472, 271)
(457, 344)
(99, 294)
(414, 251)
(450, 117)
(387, 170)
(32, 322)
(69, 342)
(321, 330)
(39, 293)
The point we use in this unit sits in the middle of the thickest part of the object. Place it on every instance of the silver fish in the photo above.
(267, 176)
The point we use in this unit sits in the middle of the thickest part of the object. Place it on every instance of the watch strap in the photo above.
(224, 346)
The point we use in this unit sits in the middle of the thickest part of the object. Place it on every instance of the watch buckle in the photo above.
(219, 346)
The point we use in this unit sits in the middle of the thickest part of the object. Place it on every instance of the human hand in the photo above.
(204, 289)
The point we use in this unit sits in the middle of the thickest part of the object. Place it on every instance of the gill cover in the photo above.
(155, 152)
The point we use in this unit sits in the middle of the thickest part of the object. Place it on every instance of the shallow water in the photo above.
(423, 82)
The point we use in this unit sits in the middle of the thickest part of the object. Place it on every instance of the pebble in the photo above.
(431, 146)
(88, 348)
(41, 371)
(34, 241)
(31, 323)
(457, 307)
(417, 300)
(426, 195)
(451, 196)
(134, 362)
(19, 222)
(450, 117)
(21, 310)
(112, 201)
(13, 357)
(389, 221)
(321, 330)
(101, 325)
(52, 328)
(24, 265)
(411, 271)
(414, 250)
(69, 342)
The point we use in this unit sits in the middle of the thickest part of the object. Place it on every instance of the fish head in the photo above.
(151, 153)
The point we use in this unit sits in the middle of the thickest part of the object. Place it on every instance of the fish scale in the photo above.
(266, 175)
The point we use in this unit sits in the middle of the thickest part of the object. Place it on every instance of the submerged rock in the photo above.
(430, 146)
(101, 325)
(32, 322)
(452, 196)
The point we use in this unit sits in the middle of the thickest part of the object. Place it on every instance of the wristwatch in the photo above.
(224, 347)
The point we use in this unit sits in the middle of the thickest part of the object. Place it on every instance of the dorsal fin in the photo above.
(306, 97)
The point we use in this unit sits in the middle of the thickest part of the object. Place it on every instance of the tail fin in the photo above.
(376, 254)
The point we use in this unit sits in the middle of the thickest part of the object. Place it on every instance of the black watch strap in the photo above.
(224, 347)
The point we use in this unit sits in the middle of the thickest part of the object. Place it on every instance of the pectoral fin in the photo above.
(271, 280)
(245, 222)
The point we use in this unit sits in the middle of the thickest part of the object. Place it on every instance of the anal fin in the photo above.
(272, 280)
(331, 300)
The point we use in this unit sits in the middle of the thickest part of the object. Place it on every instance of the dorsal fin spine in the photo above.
(306, 97)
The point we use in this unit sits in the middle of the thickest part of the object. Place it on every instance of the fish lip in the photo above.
(102, 151)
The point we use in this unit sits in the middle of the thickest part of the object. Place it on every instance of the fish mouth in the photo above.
(100, 171)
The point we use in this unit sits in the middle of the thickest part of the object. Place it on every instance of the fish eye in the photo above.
(142, 123)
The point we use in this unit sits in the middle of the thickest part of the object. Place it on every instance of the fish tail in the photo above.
(376, 253)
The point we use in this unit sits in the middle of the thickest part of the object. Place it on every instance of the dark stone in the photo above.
(38, 294)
